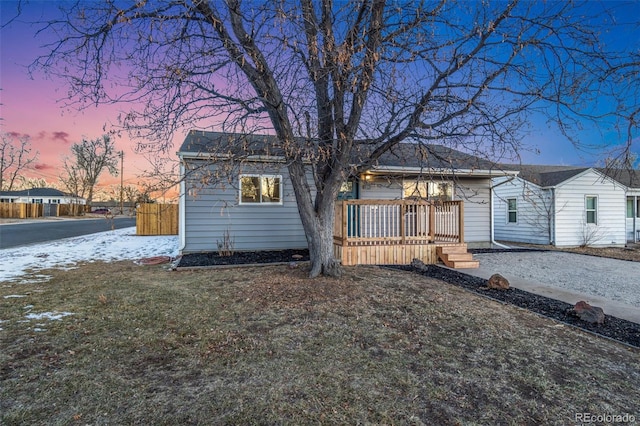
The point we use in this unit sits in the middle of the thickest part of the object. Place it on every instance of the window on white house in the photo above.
(260, 189)
(512, 210)
(591, 207)
(630, 210)
(417, 189)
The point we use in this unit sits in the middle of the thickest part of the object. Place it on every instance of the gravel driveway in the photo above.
(613, 279)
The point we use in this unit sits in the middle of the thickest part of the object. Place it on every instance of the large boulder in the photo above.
(498, 282)
(588, 313)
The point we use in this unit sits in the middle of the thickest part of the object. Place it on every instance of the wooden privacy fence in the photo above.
(20, 210)
(157, 219)
(33, 210)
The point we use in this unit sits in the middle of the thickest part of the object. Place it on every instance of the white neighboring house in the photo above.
(563, 206)
(631, 181)
(40, 196)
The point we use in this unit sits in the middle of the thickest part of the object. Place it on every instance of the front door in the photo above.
(349, 191)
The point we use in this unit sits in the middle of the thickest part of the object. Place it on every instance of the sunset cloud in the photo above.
(61, 136)
(43, 166)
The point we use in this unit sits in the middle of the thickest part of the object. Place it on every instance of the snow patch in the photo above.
(52, 316)
(20, 264)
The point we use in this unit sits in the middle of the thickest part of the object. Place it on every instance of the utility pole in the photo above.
(121, 182)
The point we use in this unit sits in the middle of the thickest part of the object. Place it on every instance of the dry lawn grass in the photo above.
(269, 346)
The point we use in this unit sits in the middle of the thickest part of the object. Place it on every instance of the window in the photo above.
(430, 190)
(260, 189)
(630, 210)
(591, 207)
(512, 210)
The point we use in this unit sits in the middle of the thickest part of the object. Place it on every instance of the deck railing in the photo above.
(389, 222)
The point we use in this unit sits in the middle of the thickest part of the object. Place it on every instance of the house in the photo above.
(236, 193)
(630, 179)
(40, 196)
(565, 206)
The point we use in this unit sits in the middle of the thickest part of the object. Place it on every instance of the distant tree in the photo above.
(15, 156)
(24, 182)
(89, 159)
(342, 82)
(627, 160)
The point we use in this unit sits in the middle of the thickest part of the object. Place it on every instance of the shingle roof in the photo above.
(545, 175)
(36, 192)
(628, 178)
(408, 155)
(220, 143)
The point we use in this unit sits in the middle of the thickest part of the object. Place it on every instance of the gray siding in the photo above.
(210, 211)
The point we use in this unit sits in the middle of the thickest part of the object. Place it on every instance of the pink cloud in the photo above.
(16, 135)
(43, 166)
(61, 136)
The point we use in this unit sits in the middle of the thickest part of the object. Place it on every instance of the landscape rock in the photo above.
(588, 313)
(498, 282)
(293, 265)
(297, 256)
(418, 264)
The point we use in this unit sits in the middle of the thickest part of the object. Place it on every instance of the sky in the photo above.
(33, 106)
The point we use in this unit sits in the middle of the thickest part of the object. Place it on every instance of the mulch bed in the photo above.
(615, 328)
(242, 258)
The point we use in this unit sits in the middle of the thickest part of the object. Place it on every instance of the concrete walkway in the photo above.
(613, 308)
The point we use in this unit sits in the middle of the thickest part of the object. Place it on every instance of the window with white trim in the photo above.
(260, 189)
(591, 209)
(512, 210)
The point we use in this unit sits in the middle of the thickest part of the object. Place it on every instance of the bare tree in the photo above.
(90, 158)
(541, 210)
(339, 83)
(15, 156)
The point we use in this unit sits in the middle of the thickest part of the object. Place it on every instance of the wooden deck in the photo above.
(384, 232)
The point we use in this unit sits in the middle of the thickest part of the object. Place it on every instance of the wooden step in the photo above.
(471, 264)
(456, 257)
(462, 248)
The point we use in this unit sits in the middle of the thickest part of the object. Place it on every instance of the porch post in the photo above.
(635, 218)
(345, 208)
(432, 222)
(461, 222)
(403, 211)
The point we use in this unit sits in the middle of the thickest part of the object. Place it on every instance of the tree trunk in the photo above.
(320, 242)
(317, 218)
